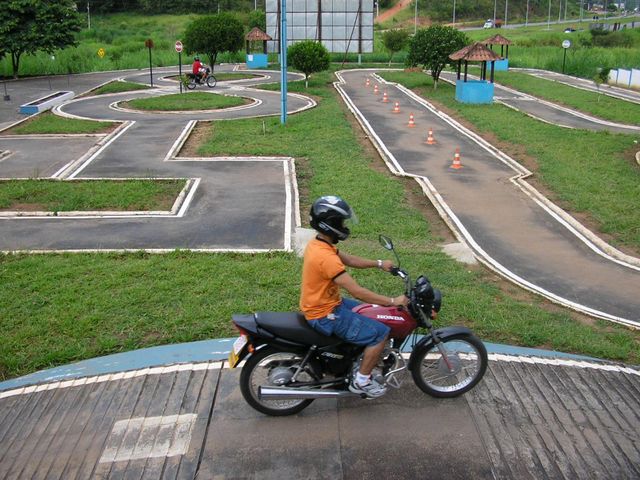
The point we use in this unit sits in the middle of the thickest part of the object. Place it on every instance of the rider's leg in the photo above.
(371, 357)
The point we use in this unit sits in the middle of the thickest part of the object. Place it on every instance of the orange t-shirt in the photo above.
(320, 295)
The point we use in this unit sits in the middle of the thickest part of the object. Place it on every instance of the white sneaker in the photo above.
(371, 389)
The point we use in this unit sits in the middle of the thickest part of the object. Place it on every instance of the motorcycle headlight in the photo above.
(424, 292)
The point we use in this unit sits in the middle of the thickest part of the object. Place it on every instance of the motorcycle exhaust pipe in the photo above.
(284, 393)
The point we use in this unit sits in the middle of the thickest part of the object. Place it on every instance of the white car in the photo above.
(488, 24)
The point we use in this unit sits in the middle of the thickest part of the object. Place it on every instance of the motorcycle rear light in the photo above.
(250, 348)
(242, 331)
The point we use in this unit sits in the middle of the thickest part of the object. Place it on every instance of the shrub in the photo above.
(308, 57)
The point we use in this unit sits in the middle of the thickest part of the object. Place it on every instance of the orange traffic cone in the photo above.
(367, 83)
(385, 98)
(396, 107)
(375, 89)
(411, 122)
(456, 160)
(430, 139)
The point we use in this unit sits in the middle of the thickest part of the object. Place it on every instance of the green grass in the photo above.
(601, 106)
(118, 87)
(586, 171)
(62, 308)
(82, 195)
(48, 123)
(186, 101)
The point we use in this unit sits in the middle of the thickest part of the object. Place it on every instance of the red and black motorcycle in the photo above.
(289, 364)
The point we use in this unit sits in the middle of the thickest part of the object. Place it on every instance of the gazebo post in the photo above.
(493, 68)
(507, 55)
(502, 50)
(466, 65)
(459, 68)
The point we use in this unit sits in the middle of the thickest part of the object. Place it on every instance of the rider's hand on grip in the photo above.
(402, 300)
(394, 271)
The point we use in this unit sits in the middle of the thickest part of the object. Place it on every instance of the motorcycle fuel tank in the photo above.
(398, 319)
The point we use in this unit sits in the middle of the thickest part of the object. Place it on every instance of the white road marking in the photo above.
(149, 437)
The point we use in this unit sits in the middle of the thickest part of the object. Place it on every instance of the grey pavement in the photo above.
(530, 417)
(238, 204)
(485, 204)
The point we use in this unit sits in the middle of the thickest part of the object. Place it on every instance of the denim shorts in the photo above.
(351, 327)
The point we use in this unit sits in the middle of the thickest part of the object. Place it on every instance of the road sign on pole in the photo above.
(178, 46)
(565, 46)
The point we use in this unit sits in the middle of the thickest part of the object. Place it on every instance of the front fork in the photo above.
(436, 340)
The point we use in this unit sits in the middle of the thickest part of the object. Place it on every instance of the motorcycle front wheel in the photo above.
(211, 81)
(269, 367)
(452, 368)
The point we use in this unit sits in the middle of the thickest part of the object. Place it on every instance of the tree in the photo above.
(257, 18)
(394, 40)
(28, 26)
(214, 34)
(431, 47)
(601, 76)
(308, 57)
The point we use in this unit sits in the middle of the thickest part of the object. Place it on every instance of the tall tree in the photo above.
(214, 34)
(394, 40)
(431, 47)
(308, 57)
(28, 26)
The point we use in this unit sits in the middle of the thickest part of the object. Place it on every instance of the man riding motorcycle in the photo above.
(198, 69)
(323, 274)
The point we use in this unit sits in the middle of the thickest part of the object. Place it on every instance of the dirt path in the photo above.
(384, 16)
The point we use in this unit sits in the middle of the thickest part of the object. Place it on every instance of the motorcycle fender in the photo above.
(426, 342)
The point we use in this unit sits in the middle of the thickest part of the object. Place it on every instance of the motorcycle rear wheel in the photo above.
(259, 371)
(191, 84)
(464, 366)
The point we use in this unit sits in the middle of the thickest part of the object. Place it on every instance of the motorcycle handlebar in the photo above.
(397, 272)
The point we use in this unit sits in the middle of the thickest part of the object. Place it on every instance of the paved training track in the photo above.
(231, 204)
(509, 225)
(550, 112)
(530, 417)
(584, 84)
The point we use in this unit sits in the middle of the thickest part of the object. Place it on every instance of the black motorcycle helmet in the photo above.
(328, 216)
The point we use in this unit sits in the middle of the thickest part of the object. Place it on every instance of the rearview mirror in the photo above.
(386, 242)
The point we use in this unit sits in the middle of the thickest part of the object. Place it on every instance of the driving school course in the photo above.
(161, 413)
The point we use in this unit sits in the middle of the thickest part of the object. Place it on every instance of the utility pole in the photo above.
(549, 17)
(88, 17)
(454, 13)
(415, 22)
(283, 62)
(506, 9)
(495, 6)
(526, 15)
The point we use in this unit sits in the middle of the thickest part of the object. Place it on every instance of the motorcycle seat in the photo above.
(293, 326)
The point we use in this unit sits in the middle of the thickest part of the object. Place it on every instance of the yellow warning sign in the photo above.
(101, 52)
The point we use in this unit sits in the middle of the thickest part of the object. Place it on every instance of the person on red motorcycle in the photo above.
(197, 69)
(324, 274)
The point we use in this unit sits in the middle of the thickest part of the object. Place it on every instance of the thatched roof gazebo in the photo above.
(254, 36)
(475, 91)
(498, 40)
(257, 60)
(476, 52)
